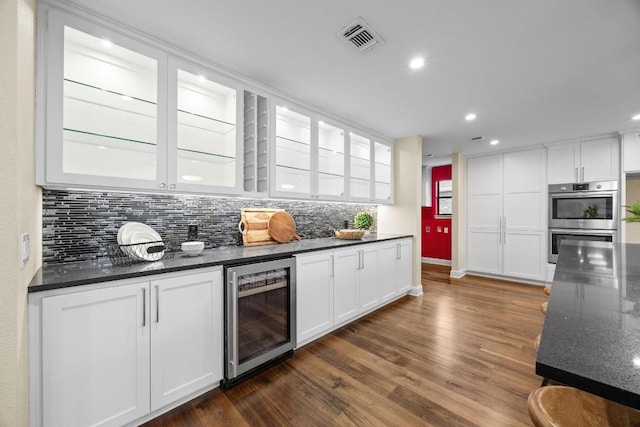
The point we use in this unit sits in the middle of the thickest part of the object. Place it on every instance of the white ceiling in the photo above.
(533, 71)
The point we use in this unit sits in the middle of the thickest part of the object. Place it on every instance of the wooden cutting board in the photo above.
(254, 226)
(282, 227)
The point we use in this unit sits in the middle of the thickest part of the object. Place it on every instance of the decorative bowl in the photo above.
(349, 234)
(192, 248)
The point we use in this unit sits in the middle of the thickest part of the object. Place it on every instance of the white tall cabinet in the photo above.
(110, 354)
(506, 214)
(584, 161)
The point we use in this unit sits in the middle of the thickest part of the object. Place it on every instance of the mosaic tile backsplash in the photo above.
(78, 225)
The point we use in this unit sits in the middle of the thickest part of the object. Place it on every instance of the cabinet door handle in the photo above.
(144, 307)
(362, 256)
(582, 174)
(500, 235)
(398, 254)
(162, 185)
(172, 187)
(157, 304)
(332, 271)
(504, 228)
(575, 174)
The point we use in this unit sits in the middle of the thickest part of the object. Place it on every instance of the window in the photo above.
(445, 193)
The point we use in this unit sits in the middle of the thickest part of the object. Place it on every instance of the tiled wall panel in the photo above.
(78, 225)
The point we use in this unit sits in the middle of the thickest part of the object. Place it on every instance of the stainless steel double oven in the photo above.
(582, 211)
(260, 316)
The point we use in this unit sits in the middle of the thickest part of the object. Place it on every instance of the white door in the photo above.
(404, 266)
(186, 335)
(314, 295)
(524, 227)
(484, 214)
(388, 278)
(599, 160)
(95, 352)
(368, 277)
(345, 285)
(564, 163)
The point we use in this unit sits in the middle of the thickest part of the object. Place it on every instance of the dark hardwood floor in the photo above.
(460, 355)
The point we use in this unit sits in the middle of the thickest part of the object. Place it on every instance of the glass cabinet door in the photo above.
(109, 112)
(382, 172)
(292, 152)
(330, 160)
(204, 141)
(360, 162)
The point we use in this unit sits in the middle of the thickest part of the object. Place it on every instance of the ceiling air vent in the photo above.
(359, 35)
(477, 139)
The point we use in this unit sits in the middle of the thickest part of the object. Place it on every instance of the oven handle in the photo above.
(582, 194)
(583, 232)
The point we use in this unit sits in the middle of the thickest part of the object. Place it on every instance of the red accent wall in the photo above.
(436, 244)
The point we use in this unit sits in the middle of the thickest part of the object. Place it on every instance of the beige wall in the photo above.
(459, 218)
(404, 217)
(632, 229)
(20, 202)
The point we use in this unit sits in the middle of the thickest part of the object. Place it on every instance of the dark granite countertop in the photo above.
(591, 334)
(82, 273)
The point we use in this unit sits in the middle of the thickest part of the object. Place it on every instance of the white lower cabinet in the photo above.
(335, 287)
(186, 336)
(112, 355)
(95, 357)
(395, 268)
(314, 294)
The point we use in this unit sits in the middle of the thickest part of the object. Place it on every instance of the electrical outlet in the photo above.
(25, 249)
(427, 229)
(192, 232)
(446, 229)
(439, 229)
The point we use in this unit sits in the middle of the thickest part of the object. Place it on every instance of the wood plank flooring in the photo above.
(460, 355)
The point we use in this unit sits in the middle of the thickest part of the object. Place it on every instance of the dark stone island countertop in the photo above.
(86, 272)
(591, 334)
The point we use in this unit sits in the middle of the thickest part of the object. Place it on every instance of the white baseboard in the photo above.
(510, 278)
(457, 274)
(416, 290)
(437, 261)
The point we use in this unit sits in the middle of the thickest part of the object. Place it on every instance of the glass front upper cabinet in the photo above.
(102, 109)
(383, 162)
(203, 139)
(292, 156)
(360, 162)
(331, 143)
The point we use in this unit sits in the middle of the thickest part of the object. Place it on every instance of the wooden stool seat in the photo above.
(536, 342)
(547, 290)
(543, 307)
(560, 406)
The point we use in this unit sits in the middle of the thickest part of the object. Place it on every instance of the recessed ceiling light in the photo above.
(636, 117)
(320, 122)
(191, 178)
(106, 43)
(126, 98)
(494, 142)
(470, 117)
(285, 109)
(417, 62)
(430, 155)
(202, 78)
(102, 147)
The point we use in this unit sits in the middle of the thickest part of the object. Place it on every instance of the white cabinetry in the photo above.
(631, 152)
(506, 214)
(395, 268)
(113, 353)
(186, 335)
(121, 114)
(335, 287)
(314, 295)
(591, 160)
(95, 357)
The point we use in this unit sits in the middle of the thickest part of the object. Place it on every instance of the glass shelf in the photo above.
(203, 156)
(292, 168)
(99, 139)
(98, 90)
(325, 152)
(198, 121)
(304, 144)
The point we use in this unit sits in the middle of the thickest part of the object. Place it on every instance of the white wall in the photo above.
(20, 202)
(632, 229)
(404, 216)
